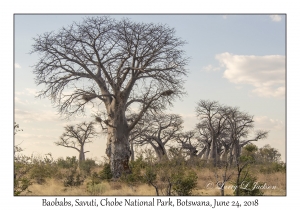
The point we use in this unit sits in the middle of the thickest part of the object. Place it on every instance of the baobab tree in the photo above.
(158, 129)
(240, 126)
(117, 64)
(212, 122)
(189, 143)
(75, 137)
(223, 131)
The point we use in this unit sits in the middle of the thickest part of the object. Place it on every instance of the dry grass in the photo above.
(206, 186)
(207, 183)
(277, 179)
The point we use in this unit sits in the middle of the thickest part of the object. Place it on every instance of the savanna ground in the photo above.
(56, 187)
(177, 176)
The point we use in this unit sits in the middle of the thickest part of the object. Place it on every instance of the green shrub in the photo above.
(136, 175)
(247, 186)
(73, 179)
(42, 168)
(272, 168)
(21, 185)
(21, 174)
(106, 173)
(69, 162)
(87, 165)
(184, 183)
(171, 177)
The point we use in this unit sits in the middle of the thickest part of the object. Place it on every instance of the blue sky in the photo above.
(238, 60)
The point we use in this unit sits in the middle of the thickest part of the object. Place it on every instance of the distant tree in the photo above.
(240, 125)
(212, 122)
(120, 64)
(158, 129)
(17, 147)
(77, 136)
(16, 128)
(268, 154)
(223, 131)
(188, 143)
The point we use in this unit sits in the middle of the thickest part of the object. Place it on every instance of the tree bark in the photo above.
(81, 155)
(224, 156)
(132, 151)
(161, 153)
(118, 149)
(213, 151)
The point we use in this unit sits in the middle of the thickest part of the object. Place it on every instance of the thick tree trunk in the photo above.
(207, 152)
(81, 155)
(160, 152)
(200, 154)
(118, 149)
(213, 152)
(236, 153)
(224, 156)
(132, 151)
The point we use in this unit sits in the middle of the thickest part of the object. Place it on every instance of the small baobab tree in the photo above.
(157, 130)
(189, 143)
(239, 127)
(77, 136)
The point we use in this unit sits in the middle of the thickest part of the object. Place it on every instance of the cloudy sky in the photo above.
(238, 60)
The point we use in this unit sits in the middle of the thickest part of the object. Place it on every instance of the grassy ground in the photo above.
(206, 186)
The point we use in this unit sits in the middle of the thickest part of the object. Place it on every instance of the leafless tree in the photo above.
(240, 124)
(223, 131)
(76, 137)
(121, 64)
(204, 139)
(17, 147)
(188, 143)
(212, 122)
(158, 129)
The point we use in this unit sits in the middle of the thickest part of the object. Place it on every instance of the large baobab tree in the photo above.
(75, 137)
(117, 64)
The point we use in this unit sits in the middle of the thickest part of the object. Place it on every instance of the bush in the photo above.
(87, 165)
(272, 168)
(247, 186)
(21, 185)
(171, 177)
(42, 168)
(184, 183)
(105, 174)
(70, 162)
(136, 172)
(73, 179)
(95, 187)
(22, 168)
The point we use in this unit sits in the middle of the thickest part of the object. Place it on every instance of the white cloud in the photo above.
(275, 18)
(19, 101)
(37, 116)
(265, 73)
(266, 123)
(211, 68)
(17, 66)
(27, 91)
